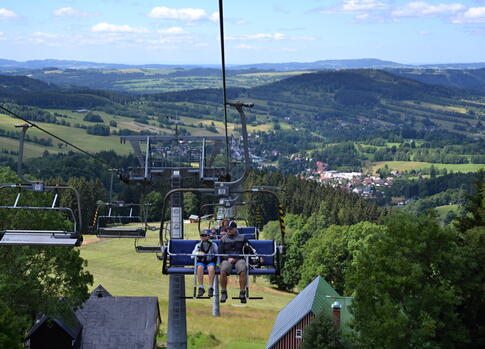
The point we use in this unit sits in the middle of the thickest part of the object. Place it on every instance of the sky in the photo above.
(256, 31)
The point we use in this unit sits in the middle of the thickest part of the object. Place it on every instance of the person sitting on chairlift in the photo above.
(232, 244)
(204, 251)
(224, 226)
(213, 233)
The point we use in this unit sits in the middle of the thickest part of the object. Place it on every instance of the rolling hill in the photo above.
(335, 106)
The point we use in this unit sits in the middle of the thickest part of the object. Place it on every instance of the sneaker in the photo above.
(201, 292)
(223, 296)
(242, 296)
(211, 292)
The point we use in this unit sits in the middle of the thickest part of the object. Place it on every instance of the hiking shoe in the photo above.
(211, 292)
(223, 296)
(201, 292)
(242, 296)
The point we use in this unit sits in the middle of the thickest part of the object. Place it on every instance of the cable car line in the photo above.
(224, 88)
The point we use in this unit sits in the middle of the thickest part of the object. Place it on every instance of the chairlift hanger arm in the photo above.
(53, 188)
(200, 210)
(247, 161)
(267, 191)
(169, 194)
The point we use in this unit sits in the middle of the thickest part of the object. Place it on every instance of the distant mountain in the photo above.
(362, 86)
(477, 65)
(326, 64)
(364, 63)
(68, 64)
(471, 79)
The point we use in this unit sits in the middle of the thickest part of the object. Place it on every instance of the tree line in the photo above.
(414, 283)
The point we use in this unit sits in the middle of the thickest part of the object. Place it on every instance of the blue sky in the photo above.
(186, 31)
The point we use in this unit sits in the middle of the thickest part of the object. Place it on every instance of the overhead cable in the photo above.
(223, 60)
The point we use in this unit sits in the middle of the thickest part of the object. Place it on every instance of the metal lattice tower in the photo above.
(177, 322)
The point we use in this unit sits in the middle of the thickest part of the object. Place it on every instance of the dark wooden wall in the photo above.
(289, 340)
(50, 336)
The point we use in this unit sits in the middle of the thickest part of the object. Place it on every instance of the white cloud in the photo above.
(172, 30)
(362, 5)
(2, 37)
(472, 15)
(44, 35)
(423, 9)
(70, 12)
(184, 14)
(214, 17)
(259, 36)
(241, 21)
(113, 28)
(45, 39)
(7, 14)
(245, 47)
(362, 16)
(354, 6)
(424, 32)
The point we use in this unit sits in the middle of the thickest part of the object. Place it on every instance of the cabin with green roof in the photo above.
(318, 297)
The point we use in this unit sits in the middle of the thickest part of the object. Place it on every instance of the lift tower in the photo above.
(175, 158)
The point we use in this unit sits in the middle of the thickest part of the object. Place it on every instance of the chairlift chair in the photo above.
(158, 249)
(121, 213)
(37, 237)
(177, 260)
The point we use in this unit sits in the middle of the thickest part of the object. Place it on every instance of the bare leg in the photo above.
(212, 273)
(223, 280)
(200, 274)
(242, 281)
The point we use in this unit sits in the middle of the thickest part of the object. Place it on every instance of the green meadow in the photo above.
(416, 165)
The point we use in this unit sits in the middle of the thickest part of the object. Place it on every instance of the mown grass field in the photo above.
(443, 210)
(115, 264)
(74, 135)
(416, 165)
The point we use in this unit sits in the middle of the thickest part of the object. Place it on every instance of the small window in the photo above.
(299, 333)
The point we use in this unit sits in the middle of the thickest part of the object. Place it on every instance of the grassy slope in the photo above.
(415, 165)
(75, 135)
(116, 265)
(443, 210)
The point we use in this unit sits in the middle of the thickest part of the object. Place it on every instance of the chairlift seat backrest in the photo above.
(263, 247)
(120, 212)
(149, 249)
(121, 232)
(248, 232)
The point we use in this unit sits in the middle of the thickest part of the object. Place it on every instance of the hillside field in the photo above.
(416, 165)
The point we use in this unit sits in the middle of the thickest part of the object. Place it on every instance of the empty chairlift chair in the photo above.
(33, 236)
(250, 233)
(119, 213)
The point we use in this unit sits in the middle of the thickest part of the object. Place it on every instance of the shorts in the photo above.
(206, 265)
(240, 266)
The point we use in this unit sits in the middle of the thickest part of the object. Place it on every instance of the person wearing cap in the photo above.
(204, 251)
(232, 244)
